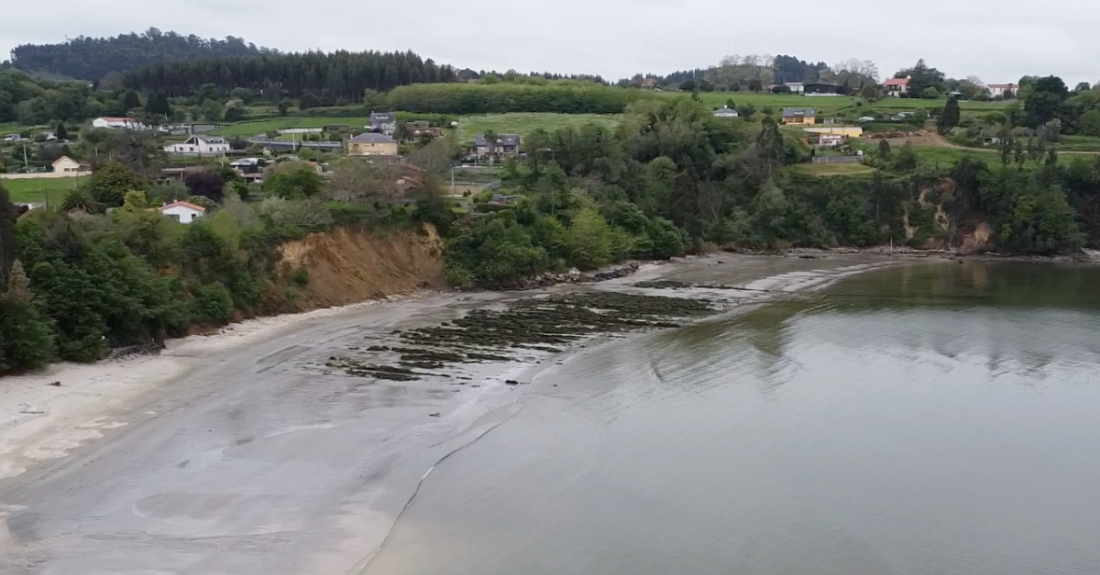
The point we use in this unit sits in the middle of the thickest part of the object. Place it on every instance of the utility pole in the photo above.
(25, 163)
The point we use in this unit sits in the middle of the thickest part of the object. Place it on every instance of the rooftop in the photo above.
(788, 112)
(1003, 86)
(502, 140)
(195, 207)
(372, 138)
(383, 117)
(896, 82)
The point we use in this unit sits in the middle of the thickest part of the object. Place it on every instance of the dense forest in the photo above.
(339, 75)
(92, 59)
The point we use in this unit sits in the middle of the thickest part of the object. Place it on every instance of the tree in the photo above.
(1044, 102)
(884, 149)
(907, 158)
(109, 184)
(7, 235)
(293, 180)
(283, 107)
(950, 116)
(755, 85)
(158, 105)
(921, 77)
(26, 341)
(61, 133)
(130, 100)
(79, 199)
(206, 184)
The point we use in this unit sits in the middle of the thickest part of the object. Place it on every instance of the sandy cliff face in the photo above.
(352, 266)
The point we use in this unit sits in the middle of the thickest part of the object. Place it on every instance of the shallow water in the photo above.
(930, 418)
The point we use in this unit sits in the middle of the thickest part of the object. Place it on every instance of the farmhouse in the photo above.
(66, 165)
(182, 212)
(826, 140)
(383, 122)
(798, 115)
(372, 144)
(896, 87)
(117, 123)
(505, 145)
(1003, 90)
(199, 146)
(725, 112)
(796, 87)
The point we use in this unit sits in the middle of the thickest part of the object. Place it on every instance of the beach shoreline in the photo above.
(212, 412)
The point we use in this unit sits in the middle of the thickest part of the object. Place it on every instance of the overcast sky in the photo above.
(998, 41)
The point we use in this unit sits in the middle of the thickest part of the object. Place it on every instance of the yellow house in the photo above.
(372, 144)
(799, 115)
(849, 131)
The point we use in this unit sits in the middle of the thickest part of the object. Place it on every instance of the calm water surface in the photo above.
(929, 419)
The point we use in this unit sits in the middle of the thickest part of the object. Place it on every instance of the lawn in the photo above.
(830, 105)
(525, 123)
(261, 127)
(944, 157)
(833, 169)
(35, 190)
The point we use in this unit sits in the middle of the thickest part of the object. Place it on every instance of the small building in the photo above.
(1003, 90)
(819, 89)
(796, 87)
(12, 138)
(422, 129)
(725, 112)
(199, 146)
(896, 87)
(847, 131)
(117, 123)
(826, 140)
(372, 144)
(505, 145)
(383, 122)
(67, 165)
(799, 115)
(182, 212)
(828, 121)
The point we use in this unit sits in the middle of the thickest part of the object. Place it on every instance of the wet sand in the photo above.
(239, 453)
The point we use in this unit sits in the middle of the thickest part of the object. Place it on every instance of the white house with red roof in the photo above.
(896, 87)
(119, 123)
(182, 212)
(1003, 90)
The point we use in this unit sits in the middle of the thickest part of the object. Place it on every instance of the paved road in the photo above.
(253, 462)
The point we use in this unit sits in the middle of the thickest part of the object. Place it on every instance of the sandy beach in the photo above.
(240, 453)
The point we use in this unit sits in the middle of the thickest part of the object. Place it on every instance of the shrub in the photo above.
(212, 303)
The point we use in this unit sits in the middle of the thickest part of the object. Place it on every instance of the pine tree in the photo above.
(61, 133)
(950, 116)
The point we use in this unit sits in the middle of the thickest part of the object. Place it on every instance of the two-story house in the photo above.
(896, 87)
(199, 146)
(799, 115)
(502, 145)
(372, 144)
(419, 129)
(383, 122)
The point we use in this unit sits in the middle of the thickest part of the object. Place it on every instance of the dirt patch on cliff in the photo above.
(352, 266)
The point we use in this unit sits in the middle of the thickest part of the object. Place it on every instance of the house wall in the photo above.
(185, 215)
(372, 148)
(850, 131)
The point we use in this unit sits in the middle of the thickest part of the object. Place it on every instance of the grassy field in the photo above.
(35, 190)
(833, 169)
(829, 105)
(525, 123)
(944, 157)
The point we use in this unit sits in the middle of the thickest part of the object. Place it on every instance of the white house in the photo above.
(117, 123)
(1003, 90)
(725, 112)
(67, 165)
(182, 212)
(796, 87)
(897, 87)
(199, 146)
